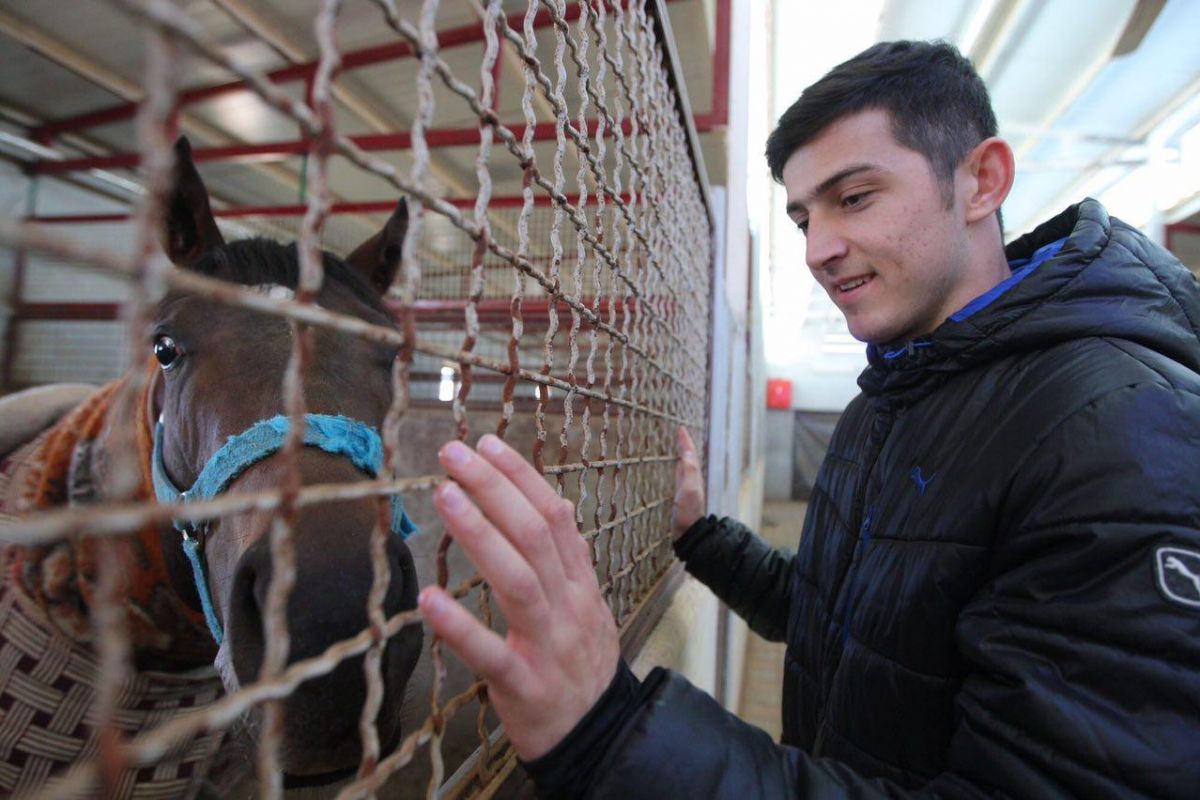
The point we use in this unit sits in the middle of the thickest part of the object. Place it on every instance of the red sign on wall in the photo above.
(779, 393)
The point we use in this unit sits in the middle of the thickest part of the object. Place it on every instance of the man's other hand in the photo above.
(561, 649)
(689, 486)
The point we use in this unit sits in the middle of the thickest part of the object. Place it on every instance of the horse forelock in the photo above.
(264, 262)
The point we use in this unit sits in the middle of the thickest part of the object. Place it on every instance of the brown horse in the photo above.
(219, 370)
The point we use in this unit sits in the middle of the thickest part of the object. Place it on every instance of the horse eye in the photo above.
(166, 351)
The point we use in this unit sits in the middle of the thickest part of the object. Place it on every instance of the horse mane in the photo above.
(259, 260)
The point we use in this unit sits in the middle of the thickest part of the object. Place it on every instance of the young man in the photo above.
(998, 586)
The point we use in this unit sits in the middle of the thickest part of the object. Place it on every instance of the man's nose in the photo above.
(824, 245)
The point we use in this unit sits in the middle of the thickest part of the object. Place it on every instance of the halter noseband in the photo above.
(338, 435)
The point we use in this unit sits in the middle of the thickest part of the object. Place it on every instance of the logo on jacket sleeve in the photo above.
(1178, 574)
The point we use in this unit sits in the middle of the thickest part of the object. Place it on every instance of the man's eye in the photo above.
(802, 226)
(852, 200)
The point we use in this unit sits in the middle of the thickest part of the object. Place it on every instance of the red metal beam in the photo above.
(496, 310)
(486, 376)
(67, 312)
(355, 59)
(362, 207)
(490, 310)
(273, 151)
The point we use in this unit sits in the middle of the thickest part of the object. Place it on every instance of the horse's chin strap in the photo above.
(338, 435)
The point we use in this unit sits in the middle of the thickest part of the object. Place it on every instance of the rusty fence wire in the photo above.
(584, 341)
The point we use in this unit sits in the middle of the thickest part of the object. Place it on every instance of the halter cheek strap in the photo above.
(338, 435)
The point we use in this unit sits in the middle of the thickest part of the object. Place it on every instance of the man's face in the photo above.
(880, 239)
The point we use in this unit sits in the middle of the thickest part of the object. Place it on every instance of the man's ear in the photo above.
(189, 230)
(378, 258)
(990, 169)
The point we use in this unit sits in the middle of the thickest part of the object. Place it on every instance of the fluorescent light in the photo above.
(19, 145)
(446, 385)
(117, 181)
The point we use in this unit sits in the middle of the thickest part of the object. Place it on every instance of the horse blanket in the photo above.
(48, 670)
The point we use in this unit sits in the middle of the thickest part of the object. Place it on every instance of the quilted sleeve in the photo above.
(1085, 644)
(749, 575)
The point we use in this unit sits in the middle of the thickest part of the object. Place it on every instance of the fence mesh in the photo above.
(572, 323)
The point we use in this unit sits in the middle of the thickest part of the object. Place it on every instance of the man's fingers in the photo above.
(689, 460)
(689, 485)
(687, 468)
(480, 647)
(513, 580)
(510, 508)
(685, 444)
(559, 513)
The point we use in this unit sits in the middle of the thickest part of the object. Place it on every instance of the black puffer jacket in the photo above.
(983, 601)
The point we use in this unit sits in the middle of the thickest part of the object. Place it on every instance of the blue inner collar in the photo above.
(1020, 267)
(338, 435)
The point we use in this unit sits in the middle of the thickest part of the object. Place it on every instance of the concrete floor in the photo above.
(762, 678)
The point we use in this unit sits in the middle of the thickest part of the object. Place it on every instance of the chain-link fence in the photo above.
(571, 319)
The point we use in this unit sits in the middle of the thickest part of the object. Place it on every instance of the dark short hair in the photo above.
(938, 104)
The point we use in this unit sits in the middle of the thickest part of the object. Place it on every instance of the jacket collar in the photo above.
(899, 373)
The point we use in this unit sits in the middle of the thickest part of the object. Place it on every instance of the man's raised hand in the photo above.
(689, 486)
(561, 649)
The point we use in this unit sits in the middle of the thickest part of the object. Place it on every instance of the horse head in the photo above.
(221, 372)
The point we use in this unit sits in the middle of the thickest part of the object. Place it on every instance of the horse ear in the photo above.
(189, 230)
(378, 258)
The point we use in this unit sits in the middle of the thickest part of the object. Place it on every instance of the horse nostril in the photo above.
(328, 602)
(244, 621)
(403, 585)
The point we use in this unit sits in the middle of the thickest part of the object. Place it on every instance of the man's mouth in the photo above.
(852, 284)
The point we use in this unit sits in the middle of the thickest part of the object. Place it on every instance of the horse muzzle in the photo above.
(328, 605)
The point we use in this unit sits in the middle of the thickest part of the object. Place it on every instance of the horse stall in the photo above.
(211, 563)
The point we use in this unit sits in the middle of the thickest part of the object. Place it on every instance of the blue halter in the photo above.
(340, 436)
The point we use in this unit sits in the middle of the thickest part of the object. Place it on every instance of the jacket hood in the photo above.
(1107, 280)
